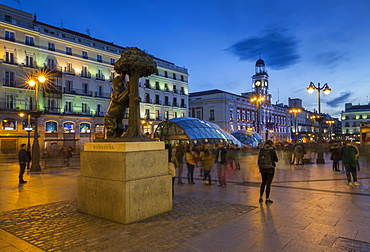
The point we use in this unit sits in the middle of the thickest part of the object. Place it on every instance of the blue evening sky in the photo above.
(219, 41)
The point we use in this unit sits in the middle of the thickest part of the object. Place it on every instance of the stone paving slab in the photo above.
(59, 227)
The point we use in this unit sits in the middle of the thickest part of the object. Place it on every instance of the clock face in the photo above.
(258, 83)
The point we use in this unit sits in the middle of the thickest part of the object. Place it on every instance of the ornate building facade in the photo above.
(251, 111)
(76, 95)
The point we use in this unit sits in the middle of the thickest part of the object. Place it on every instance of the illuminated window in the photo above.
(10, 101)
(9, 124)
(51, 127)
(85, 128)
(69, 127)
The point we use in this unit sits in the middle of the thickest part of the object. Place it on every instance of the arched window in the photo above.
(69, 127)
(51, 127)
(85, 127)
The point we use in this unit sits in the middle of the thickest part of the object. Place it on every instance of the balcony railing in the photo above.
(158, 102)
(102, 95)
(175, 104)
(86, 74)
(52, 110)
(100, 77)
(183, 105)
(166, 103)
(69, 70)
(146, 85)
(9, 83)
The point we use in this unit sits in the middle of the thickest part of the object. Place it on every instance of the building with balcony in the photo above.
(77, 93)
(353, 118)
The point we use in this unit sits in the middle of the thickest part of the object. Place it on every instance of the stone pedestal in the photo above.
(124, 181)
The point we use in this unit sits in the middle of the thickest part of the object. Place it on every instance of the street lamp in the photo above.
(320, 148)
(330, 122)
(34, 81)
(295, 111)
(257, 99)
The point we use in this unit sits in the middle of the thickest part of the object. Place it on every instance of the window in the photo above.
(147, 98)
(85, 72)
(174, 89)
(166, 115)
(182, 114)
(100, 90)
(174, 76)
(157, 115)
(156, 99)
(166, 87)
(182, 91)
(85, 128)
(198, 115)
(174, 114)
(99, 58)
(147, 83)
(157, 85)
(51, 63)
(85, 87)
(69, 127)
(69, 86)
(212, 115)
(8, 18)
(10, 101)
(238, 114)
(84, 55)
(9, 58)
(51, 127)
(112, 61)
(182, 77)
(29, 61)
(99, 110)
(85, 108)
(68, 50)
(9, 79)
(175, 102)
(9, 35)
(51, 47)
(68, 107)
(243, 115)
(166, 101)
(183, 105)
(147, 113)
(28, 40)
(9, 124)
(165, 74)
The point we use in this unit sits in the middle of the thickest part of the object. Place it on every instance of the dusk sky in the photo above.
(219, 41)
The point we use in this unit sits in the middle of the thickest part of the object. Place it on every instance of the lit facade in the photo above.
(77, 94)
(352, 118)
(237, 112)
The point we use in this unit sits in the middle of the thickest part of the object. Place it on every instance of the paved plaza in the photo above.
(314, 210)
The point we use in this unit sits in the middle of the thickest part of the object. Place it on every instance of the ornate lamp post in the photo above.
(295, 111)
(257, 99)
(320, 148)
(34, 81)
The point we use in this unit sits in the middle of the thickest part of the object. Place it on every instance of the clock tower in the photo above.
(260, 80)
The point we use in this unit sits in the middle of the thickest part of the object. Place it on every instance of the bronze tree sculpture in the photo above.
(135, 63)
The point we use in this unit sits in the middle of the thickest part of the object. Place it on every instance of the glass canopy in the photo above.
(248, 138)
(194, 131)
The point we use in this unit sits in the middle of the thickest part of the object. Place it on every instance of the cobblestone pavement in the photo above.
(59, 227)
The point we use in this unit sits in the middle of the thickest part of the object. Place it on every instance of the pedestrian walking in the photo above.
(267, 159)
(299, 152)
(180, 156)
(172, 165)
(23, 159)
(206, 159)
(220, 161)
(349, 153)
(191, 161)
(335, 156)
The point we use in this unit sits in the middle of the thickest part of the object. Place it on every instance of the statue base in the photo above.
(124, 181)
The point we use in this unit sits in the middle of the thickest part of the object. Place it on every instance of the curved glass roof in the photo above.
(196, 130)
(249, 138)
